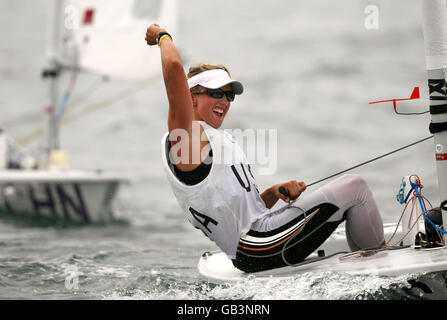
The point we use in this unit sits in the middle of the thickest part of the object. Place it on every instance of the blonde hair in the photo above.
(201, 67)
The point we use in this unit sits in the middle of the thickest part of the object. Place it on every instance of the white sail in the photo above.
(109, 38)
(434, 14)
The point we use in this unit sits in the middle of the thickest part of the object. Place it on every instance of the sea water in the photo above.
(309, 69)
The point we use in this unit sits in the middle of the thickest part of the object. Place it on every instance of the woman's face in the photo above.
(209, 109)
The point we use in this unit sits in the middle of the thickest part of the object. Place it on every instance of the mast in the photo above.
(51, 74)
(434, 21)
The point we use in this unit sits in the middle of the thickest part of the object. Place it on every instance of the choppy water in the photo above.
(309, 69)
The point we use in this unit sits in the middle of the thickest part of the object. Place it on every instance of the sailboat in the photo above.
(102, 37)
(411, 252)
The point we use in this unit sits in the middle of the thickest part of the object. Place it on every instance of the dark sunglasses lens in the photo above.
(219, 93)
(230, 95)
(216, 94)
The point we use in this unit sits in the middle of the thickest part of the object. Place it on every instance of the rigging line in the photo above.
(400, 219)
(108, 101)
(411, 113)
(83, 96)
(63, 105)
(371, 160)
(27, 139)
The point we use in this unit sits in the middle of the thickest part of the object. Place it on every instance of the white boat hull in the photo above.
(217, 268)
(81, 196)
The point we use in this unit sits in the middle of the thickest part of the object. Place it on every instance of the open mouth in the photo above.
(218, 112)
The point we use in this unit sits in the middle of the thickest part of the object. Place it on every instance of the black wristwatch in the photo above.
(160, 35)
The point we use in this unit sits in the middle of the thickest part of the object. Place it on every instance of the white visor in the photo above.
(213, 79)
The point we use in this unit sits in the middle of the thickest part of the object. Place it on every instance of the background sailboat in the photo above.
(94, 37)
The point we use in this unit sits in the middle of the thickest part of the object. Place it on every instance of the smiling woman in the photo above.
(214, 184)
(208, 89)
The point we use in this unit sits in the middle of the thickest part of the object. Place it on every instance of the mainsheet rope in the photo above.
(371, 160)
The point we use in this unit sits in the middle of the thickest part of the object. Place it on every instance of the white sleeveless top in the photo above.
(226, 203)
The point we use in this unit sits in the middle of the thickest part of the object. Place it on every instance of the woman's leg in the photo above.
(364, 227)
(290, 234)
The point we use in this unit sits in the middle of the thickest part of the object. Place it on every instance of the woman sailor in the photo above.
(218, 192)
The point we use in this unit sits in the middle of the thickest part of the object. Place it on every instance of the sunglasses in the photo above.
(219, 93)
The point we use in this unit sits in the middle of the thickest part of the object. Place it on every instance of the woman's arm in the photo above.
(272, 194)
(180, 113)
